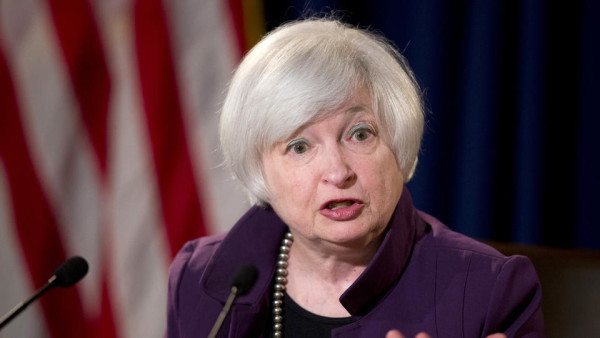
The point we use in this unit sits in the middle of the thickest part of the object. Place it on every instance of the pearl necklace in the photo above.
(280, 282)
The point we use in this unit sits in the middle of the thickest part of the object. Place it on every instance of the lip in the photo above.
(344, 213)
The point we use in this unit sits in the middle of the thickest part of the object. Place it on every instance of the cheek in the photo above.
(290, 187)
(274, 179)
(301, 186)
(385, 182)
(293, 199)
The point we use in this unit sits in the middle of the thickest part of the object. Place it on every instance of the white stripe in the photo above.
(58, 144)
(14, 275)
(139, 249)
(205, 56)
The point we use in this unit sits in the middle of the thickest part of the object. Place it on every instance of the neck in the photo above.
(332, 260)
(318, 277)
(328, 265)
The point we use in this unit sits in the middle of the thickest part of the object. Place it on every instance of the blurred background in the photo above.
(109, 145)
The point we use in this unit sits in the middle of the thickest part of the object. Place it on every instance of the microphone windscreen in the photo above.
(244, 278)
(71, 271)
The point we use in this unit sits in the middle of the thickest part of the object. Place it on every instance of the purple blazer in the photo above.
(424, 277)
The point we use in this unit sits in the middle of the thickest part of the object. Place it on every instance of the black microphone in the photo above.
(69, 273)
(242, 282)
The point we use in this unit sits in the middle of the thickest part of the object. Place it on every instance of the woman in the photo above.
(322, 124)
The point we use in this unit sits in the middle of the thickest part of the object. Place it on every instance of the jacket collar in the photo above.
(389, 261)
(254, 240)
(256, 237)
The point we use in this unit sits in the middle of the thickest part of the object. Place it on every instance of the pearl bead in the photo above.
(280, 282)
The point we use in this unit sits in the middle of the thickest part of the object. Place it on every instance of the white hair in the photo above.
(304, 70)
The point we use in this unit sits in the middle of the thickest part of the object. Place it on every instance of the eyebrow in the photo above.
(357, 108)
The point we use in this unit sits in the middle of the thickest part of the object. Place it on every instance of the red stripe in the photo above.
(35, 222)
(78, 35)
(83, 53)
(179, 198)
(103, 326)
(237, 14)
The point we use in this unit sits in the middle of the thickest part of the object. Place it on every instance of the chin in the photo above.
(351, 235)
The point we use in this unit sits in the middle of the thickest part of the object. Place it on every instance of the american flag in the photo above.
(109, 150)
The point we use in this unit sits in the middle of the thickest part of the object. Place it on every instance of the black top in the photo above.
(300, 323)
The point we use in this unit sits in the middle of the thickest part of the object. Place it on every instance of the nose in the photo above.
(336, 169)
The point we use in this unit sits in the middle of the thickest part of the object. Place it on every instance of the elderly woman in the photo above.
(322, 125)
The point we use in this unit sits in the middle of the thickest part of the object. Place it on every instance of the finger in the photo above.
(394, 334)
(497, 335)
(422, 335)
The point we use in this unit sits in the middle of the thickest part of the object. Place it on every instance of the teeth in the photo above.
(337, 205)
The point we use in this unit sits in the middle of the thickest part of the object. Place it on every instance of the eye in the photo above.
(361, 132)
(298, 146)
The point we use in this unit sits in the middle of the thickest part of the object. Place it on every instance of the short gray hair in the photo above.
(303, 70)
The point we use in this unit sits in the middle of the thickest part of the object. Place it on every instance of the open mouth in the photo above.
(342, 210)
(339, 204)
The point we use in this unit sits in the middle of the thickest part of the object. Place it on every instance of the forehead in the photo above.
(357, 105)
(359, 102)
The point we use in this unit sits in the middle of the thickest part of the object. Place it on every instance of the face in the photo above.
(335, 182)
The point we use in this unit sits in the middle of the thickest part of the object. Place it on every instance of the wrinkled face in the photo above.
(335, 182)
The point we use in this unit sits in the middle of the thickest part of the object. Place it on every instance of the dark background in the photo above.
(510, 151)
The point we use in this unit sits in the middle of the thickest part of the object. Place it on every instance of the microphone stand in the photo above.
(242, 282)
(224, 312)
(23, 305)
(67, 274)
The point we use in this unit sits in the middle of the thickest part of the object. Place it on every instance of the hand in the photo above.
(397, 334)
